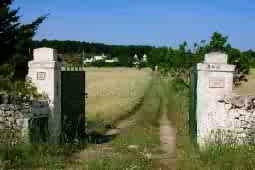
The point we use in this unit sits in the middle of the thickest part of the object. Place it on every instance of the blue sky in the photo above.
(149, 22)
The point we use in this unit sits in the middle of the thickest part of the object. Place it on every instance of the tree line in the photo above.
(164, 57)
(76, 50)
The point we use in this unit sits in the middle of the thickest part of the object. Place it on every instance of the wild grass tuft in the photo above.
(24, 156)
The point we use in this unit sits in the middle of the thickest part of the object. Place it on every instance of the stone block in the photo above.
(45, 54)
(9, 113)
(8, 124)
(4, 107)
(238, 101)
(228, 106)
(10, 119)
(20, 122)
(4, 98)
(12, 107)
(25, 111)
(19, 114)
(25, 105)
(216, 58)
(18, 107)
(2, 119)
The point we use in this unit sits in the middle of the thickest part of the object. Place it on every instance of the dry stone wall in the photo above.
(13, 122)
(16, 119)
(240, 117)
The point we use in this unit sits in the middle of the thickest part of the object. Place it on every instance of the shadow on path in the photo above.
(97, 138)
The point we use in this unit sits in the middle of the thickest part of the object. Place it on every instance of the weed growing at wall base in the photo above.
(24, 156)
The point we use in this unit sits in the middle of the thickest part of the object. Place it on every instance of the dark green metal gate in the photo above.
(73, 103)
(193, 106)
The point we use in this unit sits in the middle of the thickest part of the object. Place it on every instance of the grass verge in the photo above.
(26, 157)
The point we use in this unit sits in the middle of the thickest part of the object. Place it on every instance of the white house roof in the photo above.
(136, 57)
(114, 60)
(99, 57)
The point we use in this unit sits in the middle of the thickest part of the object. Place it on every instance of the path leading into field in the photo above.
(167, 144)
(165, 160)
(167, 133)
(122, 126)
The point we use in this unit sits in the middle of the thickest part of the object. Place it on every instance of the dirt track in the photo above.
(164, 160)
(167, 144)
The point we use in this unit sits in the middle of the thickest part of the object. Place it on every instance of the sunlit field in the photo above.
(112, 92)
(247, 88)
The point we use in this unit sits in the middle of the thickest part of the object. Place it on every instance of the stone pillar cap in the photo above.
(216, 58)
(45, 54)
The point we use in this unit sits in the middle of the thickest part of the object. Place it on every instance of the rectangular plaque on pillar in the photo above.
(41, 75)
(213, 67)
(216, 83)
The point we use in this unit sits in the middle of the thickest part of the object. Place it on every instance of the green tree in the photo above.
(218, 42)
(250, 55)
(154, 58)
(8, 30)
(15, 42)
(15, 38)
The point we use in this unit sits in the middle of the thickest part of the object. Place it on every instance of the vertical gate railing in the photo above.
(193, 104)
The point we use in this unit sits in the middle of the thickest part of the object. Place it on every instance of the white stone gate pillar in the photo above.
(214, 81)
(45, 74)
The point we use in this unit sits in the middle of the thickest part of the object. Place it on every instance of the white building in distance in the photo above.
(137, 61)
(144, 59)
(88, 60)
(136, 57)
(113, 60)
(100, 58)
